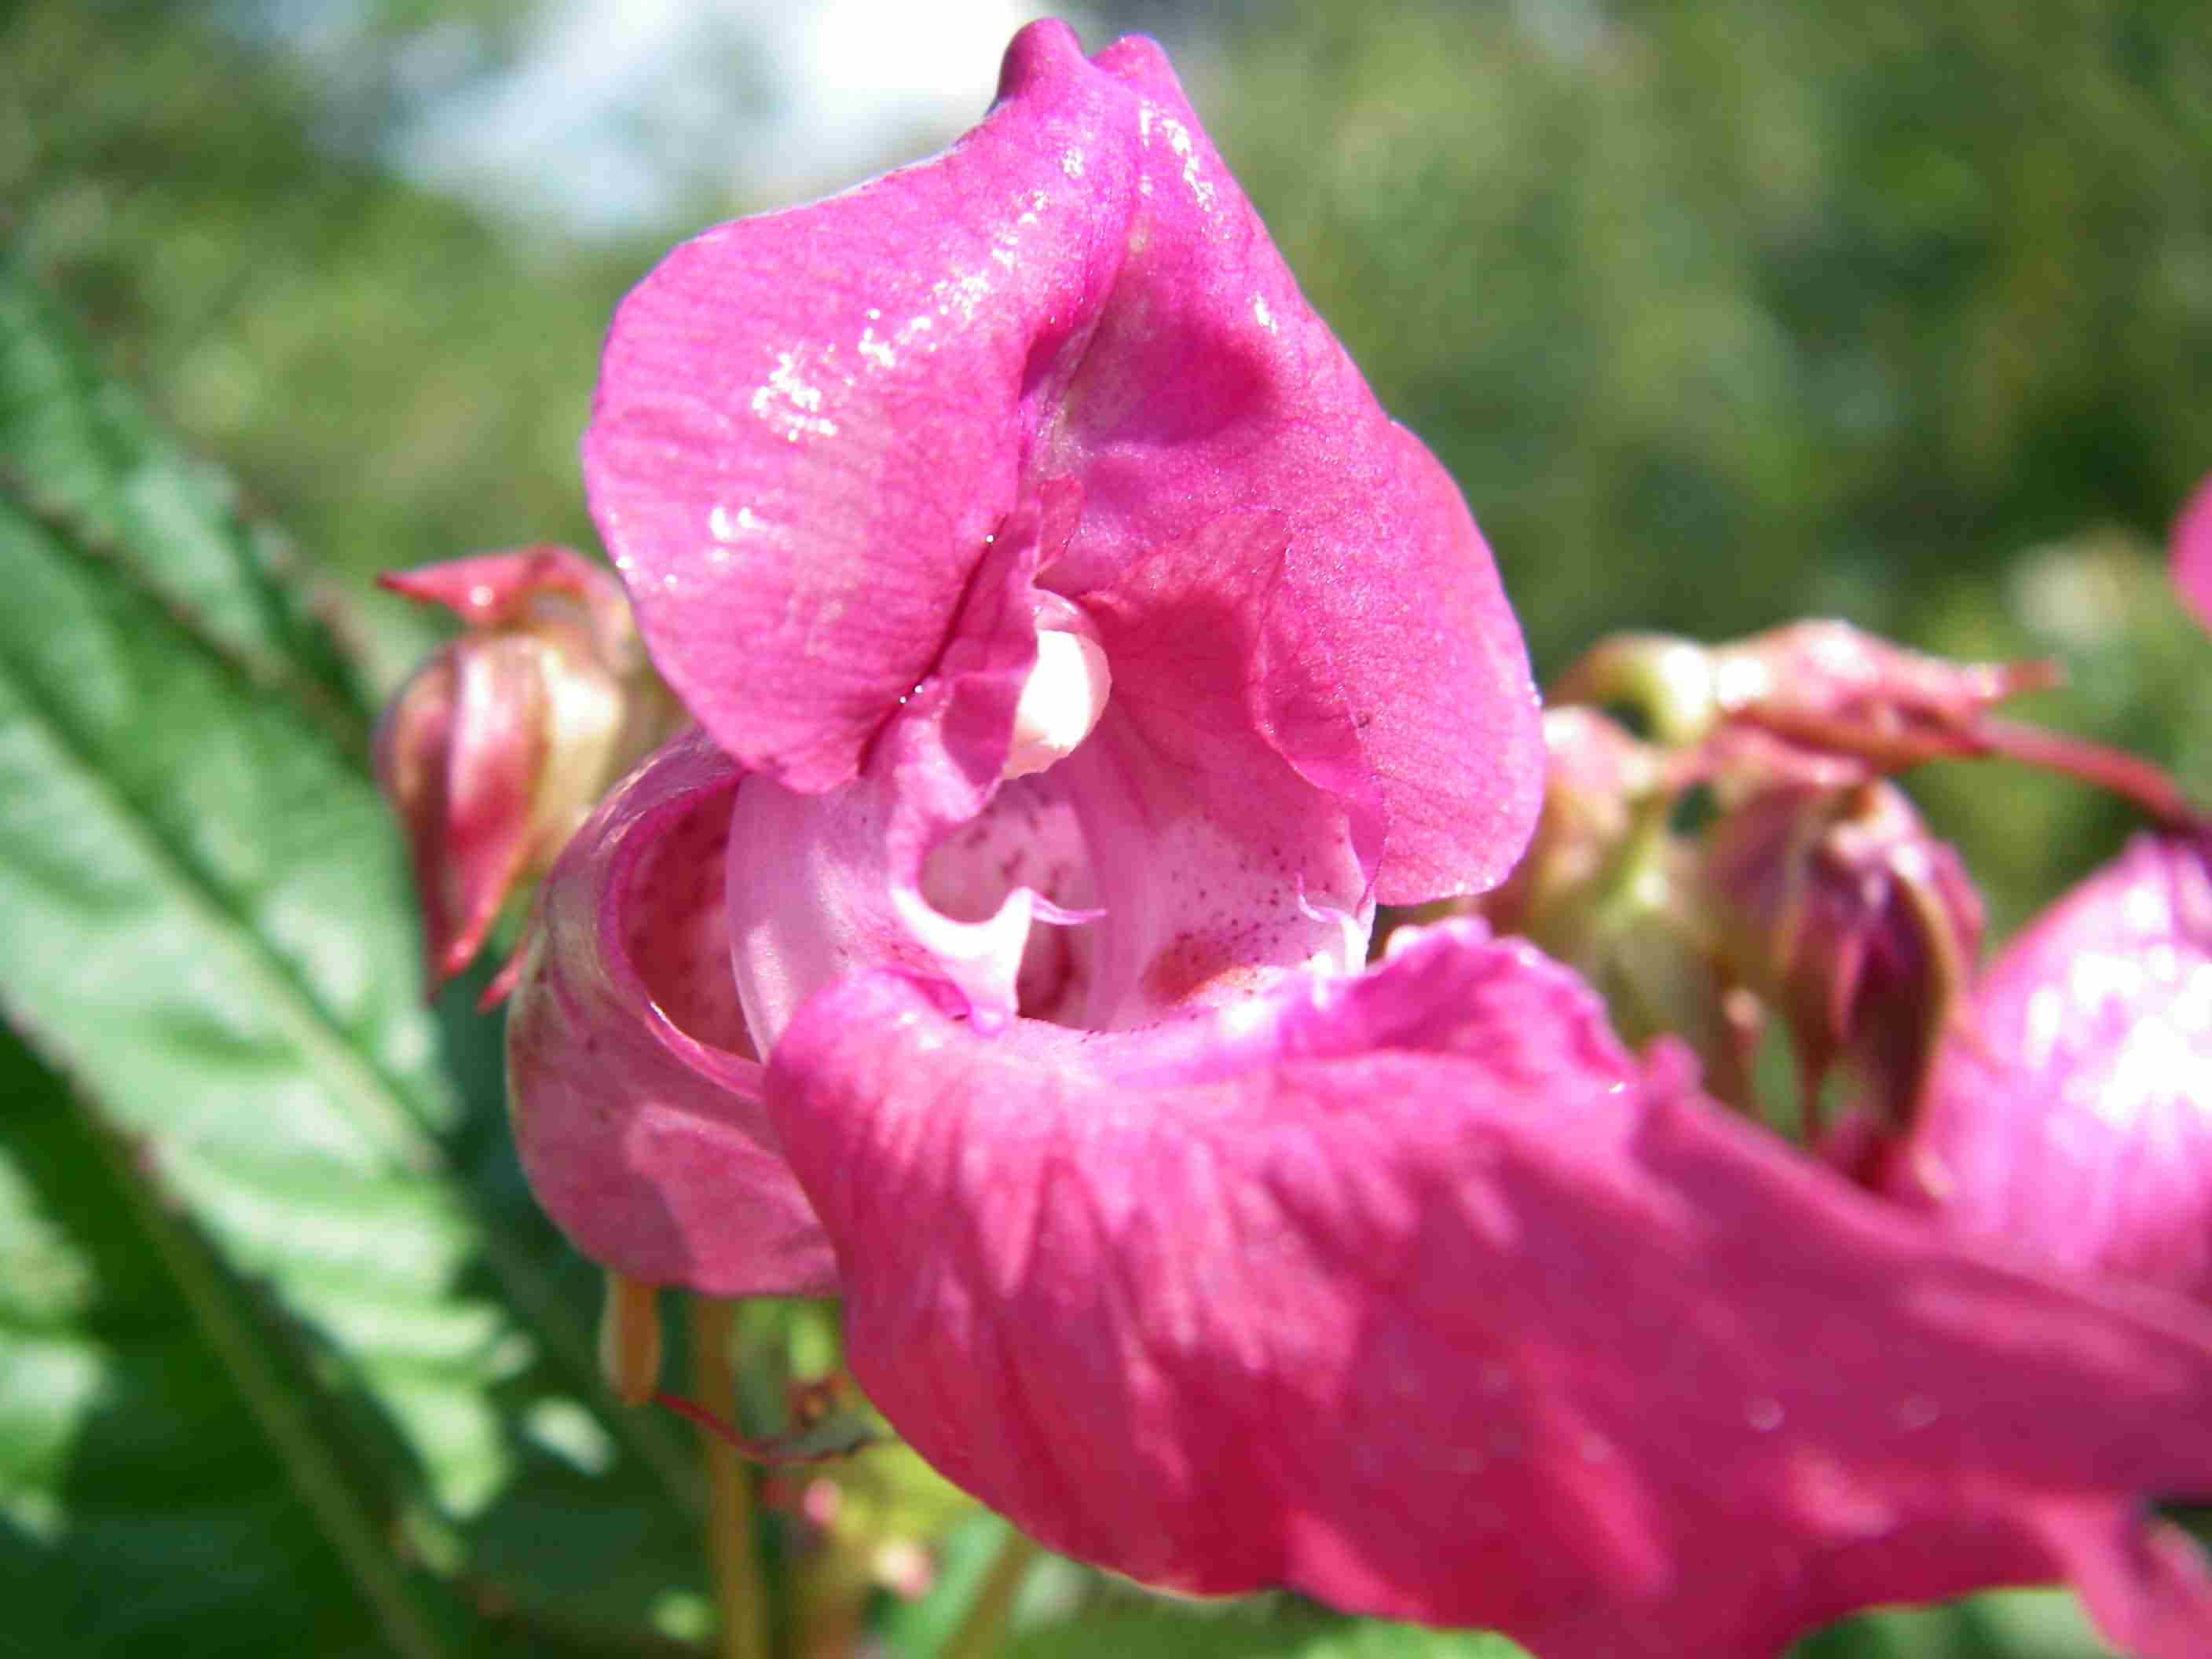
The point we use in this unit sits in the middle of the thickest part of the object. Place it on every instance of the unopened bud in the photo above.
(502, 742)
(904, 1567)
(1608, 888)
(1831, 688)
(2070, 1115)
(1855, 923)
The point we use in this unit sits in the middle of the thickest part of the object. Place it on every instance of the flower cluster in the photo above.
(1078, 656)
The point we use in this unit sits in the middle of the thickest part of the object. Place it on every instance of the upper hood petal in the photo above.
(632, 1084)
(1416, 1292)
(810, 425)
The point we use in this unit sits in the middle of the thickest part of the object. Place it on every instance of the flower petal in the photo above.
(1415, 1292)
(1207, 860)
(2192, 552)
(809, 427)
(1234, 825)
(2071, 1114)
(809, 424)
(821, 886)
(631, 1082)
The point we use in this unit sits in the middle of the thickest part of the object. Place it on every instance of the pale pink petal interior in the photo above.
(634, 1097)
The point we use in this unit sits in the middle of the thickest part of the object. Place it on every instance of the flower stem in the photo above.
(2129, 776)
(981, 1630)
(630, 1339)
(739, 1597)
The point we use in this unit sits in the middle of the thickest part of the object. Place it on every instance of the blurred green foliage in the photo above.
(394, 377)
(1729, 313)
(1721, 313)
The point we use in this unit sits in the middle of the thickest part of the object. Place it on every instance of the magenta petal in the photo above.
(631, 1082)
(2071, 1114)
(810, 425)
(1414, 1292)
(820, 885)
(1216, 831)
(2192, 552)
(1233, 822)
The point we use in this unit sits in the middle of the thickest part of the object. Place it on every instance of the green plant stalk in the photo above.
(732, 1549)
(984, 1628)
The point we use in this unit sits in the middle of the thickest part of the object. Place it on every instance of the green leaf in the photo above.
(80, 452)
(2022, 1624)
(1269, 1628)
(210, 935)
(135, 1440)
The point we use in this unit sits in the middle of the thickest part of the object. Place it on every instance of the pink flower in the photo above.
(2070, 1113)
(1079, 654)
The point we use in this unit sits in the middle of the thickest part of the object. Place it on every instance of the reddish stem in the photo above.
(774, 1453)
(2129, 776)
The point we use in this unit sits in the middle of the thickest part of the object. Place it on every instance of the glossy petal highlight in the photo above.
(1416, 1292)
(631, 1080)
(810, 426)
(2071, 1114)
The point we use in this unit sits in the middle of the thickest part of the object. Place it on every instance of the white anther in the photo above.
(1061, 701)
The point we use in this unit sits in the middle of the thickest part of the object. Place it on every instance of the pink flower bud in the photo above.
(1608, 887)
(1829, 686)
(1859, 926)
(502, 742)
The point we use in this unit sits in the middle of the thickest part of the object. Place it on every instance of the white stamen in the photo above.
(1061, 701)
